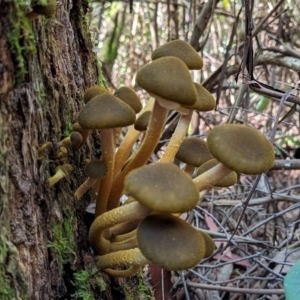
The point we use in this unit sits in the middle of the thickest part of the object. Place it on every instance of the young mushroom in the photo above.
(95, 170)
(61, 172)
(130, 97)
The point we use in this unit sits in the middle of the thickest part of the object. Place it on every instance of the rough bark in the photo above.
(45, 65)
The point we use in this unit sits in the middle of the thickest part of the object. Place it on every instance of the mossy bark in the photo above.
(45, 65)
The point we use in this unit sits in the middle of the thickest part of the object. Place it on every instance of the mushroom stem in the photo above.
(177, 137)
(132, 257)
(83, 188)
(211, 177)
(108, 157)
(130, 211)
(130, 138)
(124, 245)
(122, 273)
(143, 153)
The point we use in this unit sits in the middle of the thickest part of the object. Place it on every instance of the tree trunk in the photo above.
(45, 65)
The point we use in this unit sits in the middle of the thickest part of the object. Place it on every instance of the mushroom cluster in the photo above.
(147, 228)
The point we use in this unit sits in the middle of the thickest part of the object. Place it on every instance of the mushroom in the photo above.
(60, 173)
(75, 140)
(47, 10)
(95, 169)
(181, 50)
(238, 148)
(168, 80)
(194, 152)
(106, 112)
(130, 97)
(42, 149)
(161, 187)
(170, 242)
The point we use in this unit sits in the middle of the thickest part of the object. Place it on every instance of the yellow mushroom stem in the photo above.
(211, 177)
(177, 137)
(122, 214)
(108, 157)
(131, 257)
(84, 187)
(123, 273)
(61, 172)
(129, 243)
(130, 138)
(141, 156)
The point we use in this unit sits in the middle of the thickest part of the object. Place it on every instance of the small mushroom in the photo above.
(194, 152)
(41, 150)
(75, 140)
(95, 170)
(61, 172)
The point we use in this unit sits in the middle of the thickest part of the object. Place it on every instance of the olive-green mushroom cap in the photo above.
(193, 151)
(227, 181)
(93, 91)
(181, 50)
(47, 10)
(168, 78)
(162, 187)
(205, 100)
(106, 111)
(241, 148)
(170, 242)
(96, 169)
(130, 97)
(142, 121)
(209, 244)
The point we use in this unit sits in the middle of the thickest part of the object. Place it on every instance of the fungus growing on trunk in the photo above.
(61, 172)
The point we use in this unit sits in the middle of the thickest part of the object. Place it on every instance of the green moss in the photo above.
(6, 291)
(101, 79)
(21, 39)
(63, 241)
(86, 282)
(136, 288)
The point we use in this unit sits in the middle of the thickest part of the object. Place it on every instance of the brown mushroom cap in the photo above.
(76, 139)
(193, 151)
(93, 91)
(106, 111)
(130, 97)
(181, 50)
(96, 169)
(241, 148)
(168, 78)
(205, 100)
(170, 242)
(162, 187)
(142, 121)
(228, 180)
